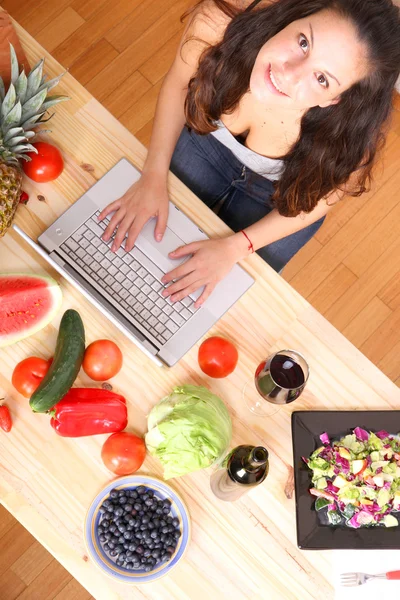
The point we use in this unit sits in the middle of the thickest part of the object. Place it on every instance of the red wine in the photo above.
(286, 372)
(280, 380)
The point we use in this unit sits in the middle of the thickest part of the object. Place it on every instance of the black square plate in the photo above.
(307, 426)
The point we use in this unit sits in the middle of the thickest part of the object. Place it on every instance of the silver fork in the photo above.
(353, 579)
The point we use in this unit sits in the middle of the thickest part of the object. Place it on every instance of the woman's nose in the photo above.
(294, 71)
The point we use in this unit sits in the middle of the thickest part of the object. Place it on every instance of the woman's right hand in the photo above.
(146, 198)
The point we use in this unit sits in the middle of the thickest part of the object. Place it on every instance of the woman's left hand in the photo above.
(211, 261)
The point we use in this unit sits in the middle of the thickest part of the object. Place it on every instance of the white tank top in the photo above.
(270, 168)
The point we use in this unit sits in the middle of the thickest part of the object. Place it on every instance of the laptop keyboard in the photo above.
(130, 278)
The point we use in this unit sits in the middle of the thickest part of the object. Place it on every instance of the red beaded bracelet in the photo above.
(251, 247)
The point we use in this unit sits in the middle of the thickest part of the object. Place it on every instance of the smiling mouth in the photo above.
(274, 82)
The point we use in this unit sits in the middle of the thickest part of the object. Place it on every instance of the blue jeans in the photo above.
(239, 196)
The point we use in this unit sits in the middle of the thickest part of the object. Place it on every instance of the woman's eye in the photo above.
(303, 42)
(322, 80)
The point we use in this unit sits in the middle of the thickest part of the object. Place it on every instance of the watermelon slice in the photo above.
(27, 304)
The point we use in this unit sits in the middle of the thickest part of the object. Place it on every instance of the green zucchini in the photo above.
(67, 361)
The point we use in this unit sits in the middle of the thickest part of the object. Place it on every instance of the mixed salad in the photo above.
(357, 478)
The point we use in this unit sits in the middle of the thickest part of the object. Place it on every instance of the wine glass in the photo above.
(279, 380)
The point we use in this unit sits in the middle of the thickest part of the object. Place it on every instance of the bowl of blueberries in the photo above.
(137, 529)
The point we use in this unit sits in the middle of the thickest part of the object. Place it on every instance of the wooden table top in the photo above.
(242, 550)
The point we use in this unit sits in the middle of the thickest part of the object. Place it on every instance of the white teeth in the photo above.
(274, 81)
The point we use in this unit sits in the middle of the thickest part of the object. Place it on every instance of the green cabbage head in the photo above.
(188, 430)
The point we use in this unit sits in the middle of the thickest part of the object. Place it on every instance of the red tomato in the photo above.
(46, 165)
(102, 360)
(217, 357)
(123, 453)
(29, 373)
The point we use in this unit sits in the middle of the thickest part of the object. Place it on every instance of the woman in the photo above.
(269, 113)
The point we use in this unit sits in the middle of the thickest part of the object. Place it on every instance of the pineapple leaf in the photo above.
(21, 86)
(16, 140)
(25, 157)
(31, 107)
(12, 133)
(13, 117)
(32, 121)
(14, 65)
(49, 85)
(24, 148)
(8, 102)
(30, 134)
(34, 79)
(2, 89)
(52, 100)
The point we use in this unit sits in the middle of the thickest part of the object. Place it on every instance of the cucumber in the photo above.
(67, 361)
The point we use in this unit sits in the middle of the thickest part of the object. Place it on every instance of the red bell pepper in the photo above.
(89, 411)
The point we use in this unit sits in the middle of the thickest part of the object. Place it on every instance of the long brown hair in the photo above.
(335, 141)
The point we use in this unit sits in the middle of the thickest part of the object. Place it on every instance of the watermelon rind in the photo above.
(9, 332)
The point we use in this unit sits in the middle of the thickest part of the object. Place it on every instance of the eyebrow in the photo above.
(312, 45)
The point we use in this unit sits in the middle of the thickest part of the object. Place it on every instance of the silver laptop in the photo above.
(126, 286)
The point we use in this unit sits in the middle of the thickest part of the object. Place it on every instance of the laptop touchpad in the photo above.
(158, 251)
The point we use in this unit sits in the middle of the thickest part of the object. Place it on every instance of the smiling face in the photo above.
(309, 63)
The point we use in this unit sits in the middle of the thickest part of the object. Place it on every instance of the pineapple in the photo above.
(22, 110)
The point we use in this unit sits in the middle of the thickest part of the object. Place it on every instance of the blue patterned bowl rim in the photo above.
(93, 516)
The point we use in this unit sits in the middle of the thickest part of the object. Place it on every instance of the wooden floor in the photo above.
(120, 51)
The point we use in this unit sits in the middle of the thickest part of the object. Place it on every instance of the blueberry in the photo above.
(147, 553)
(114, 494)
(169, 520)
(121, 493)
(121, 528)
(112, 528)
(128, 507)
(130, 566)
(111, 545)
(102, 538)
(139, 535)
(148, 568)
(110, 509)
(164, 529)
(156, 522)
(106, 547)
(113, 553)
(159, 511)
(170, 549)
(126, 546)
(141, 513)
(132, 547)
(143, 527)
(137, 506)
(139, 550)
(177, 534)
(118, 511)
(141, 490)
(122, 499)
(133, 494)
(127, 535)
(121, 539)
(119, 548)
(136, 565)
(120, 562)
(167, 503)
(156, 553)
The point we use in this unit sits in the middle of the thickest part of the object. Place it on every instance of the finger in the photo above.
(183, 250)
(206, 293)
(161, 224)
(134, 231)
(190, 289)
(110, 208)
(116, 219)
(121, 233)
(175, 288)
(184, 269)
